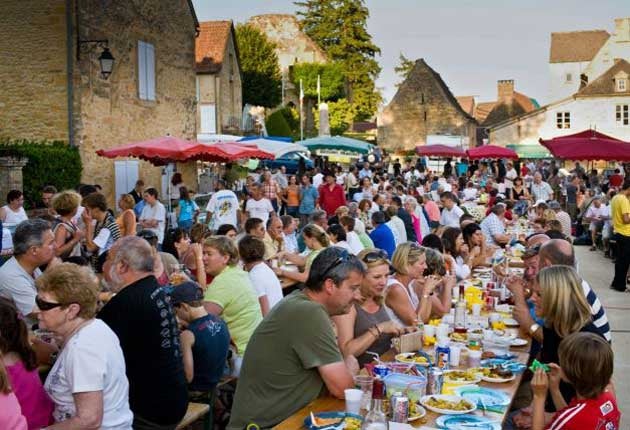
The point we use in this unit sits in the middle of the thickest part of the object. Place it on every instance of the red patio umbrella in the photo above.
(588, 145)
(227, 151)
(490, 151)
(439, 151)
(158, 151)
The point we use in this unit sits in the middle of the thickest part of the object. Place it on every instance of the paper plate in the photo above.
(334, 415)
(465, 422)
(405, 358)
(424, 400)
(448, 380)
(510, 322)
(498, 380)
(483, 396)
(421, 412)
(518, 342)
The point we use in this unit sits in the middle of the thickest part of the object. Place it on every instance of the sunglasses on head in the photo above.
(343, 257)
(43, 305)
(374, 256)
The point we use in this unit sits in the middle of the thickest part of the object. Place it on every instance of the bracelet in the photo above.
(378, 330)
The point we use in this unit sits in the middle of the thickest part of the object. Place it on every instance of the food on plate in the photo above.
(448, 405)
(496, 372)
(415, 410)
(325, 422)
(428, 340)
(352, 423)
(459, 337)
(459, 376)
(412, 358)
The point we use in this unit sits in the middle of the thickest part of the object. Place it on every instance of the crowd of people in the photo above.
(133, 317)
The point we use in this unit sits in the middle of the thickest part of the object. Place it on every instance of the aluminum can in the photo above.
(399, 408)
(435, 378)
(381, 370)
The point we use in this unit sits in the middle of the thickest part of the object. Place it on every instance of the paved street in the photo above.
(598, 271)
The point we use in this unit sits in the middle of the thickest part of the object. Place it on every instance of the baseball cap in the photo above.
(186, 292)
(554, 204)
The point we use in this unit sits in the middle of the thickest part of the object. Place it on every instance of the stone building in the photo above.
(219, 88)
(52, 87)
(292, 46)
(423, 106)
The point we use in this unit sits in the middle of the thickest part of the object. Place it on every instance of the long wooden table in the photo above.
(329, 403)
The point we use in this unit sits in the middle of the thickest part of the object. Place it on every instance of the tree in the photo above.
(339, 27)
(403, 68)
(262, 82)
(331, 79)
(339, 116)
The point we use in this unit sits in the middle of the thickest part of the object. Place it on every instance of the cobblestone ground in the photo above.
(599, 271)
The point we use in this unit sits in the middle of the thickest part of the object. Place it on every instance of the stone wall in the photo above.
(422, 106)
(109, 112)
(33, 90)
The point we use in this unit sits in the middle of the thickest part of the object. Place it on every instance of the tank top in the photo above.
(121, 224)
(293, 196)
(411, 294)
(14, 217)
(366, 320)
(209, 351)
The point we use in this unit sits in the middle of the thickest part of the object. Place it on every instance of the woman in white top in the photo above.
(268, 287)
(13, 212)
(407, 295)
(348, 223)
(338, 237)
(87, 383)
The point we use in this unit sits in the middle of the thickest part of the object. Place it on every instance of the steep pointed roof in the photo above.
(605, 85)
(210, 45)
(467, 103)
(574, 46)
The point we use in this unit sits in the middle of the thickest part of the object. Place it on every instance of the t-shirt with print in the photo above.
(210, 351)
(259, 209)
(224, 206)
(279, 374)
(91, 360)
(233, 291)
(143, 319)
(600, 413)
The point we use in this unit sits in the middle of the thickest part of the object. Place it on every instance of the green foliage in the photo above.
(277, 124)
(49, 163)
(339, 27)
(262, 82)
(403, 68)
(331, 79)
(340, 116)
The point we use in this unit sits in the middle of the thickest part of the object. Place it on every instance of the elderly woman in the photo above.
(316, 240)
(101, 236)
(127, 219)
(67, 235)
(87, 383)
(407, 295)
(367, 327)
(231, 294)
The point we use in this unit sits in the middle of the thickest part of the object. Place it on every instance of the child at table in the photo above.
(586, 362)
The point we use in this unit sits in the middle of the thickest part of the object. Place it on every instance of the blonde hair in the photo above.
(370, 265)
(225, 246)
(565, 308)
(127, 201)
(316, 232)
(406, 254)
(66, 202)
(341, 211)
(70, 283)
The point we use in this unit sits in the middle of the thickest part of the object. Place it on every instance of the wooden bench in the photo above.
(195, 412)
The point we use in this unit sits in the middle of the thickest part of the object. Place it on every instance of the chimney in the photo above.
(622, 30)
(505, 89)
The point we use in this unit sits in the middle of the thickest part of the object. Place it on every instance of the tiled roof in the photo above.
(482, 110)
(210, 45)
(605, 84)
(467, 103)
(573, 46)
(525, 102)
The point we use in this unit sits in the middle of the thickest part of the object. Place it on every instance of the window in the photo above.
(563, 119)
(146, 71)
(568, 78)
(622, 84)
(621, 115)
(422, 98)
(208, 116)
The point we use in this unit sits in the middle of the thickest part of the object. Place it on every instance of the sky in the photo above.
(471, 44)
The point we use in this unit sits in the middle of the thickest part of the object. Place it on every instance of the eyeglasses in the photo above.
(374, 256)
(43, 305)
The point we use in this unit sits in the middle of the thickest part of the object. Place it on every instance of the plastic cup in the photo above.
(429, 330)
(474, 358)
(442, 330)
(364, 383)
(476, 309)
(494, 317)
(455, 354)
(353, 400)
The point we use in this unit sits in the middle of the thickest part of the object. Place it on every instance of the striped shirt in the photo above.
(600, 320)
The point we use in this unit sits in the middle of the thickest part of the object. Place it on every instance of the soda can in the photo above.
(399, 408)
(435, 378)
(381, 371)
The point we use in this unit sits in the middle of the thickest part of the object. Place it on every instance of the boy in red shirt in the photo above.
(586, 362)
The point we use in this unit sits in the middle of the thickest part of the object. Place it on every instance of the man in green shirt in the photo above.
(293, 354)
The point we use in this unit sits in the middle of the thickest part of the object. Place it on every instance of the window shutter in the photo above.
(142, 70)
(150, 58)
(208, 119)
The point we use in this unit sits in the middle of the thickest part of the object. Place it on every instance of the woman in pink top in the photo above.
(21, 367)
(10, 413)
(432, 210)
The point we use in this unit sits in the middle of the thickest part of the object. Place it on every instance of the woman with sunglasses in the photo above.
(407, 294)
(88, 381)
(367, 327)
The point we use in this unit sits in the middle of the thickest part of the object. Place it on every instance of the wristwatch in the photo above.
(534, 328)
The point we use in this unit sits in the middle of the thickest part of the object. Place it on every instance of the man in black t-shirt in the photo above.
(142, 317)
